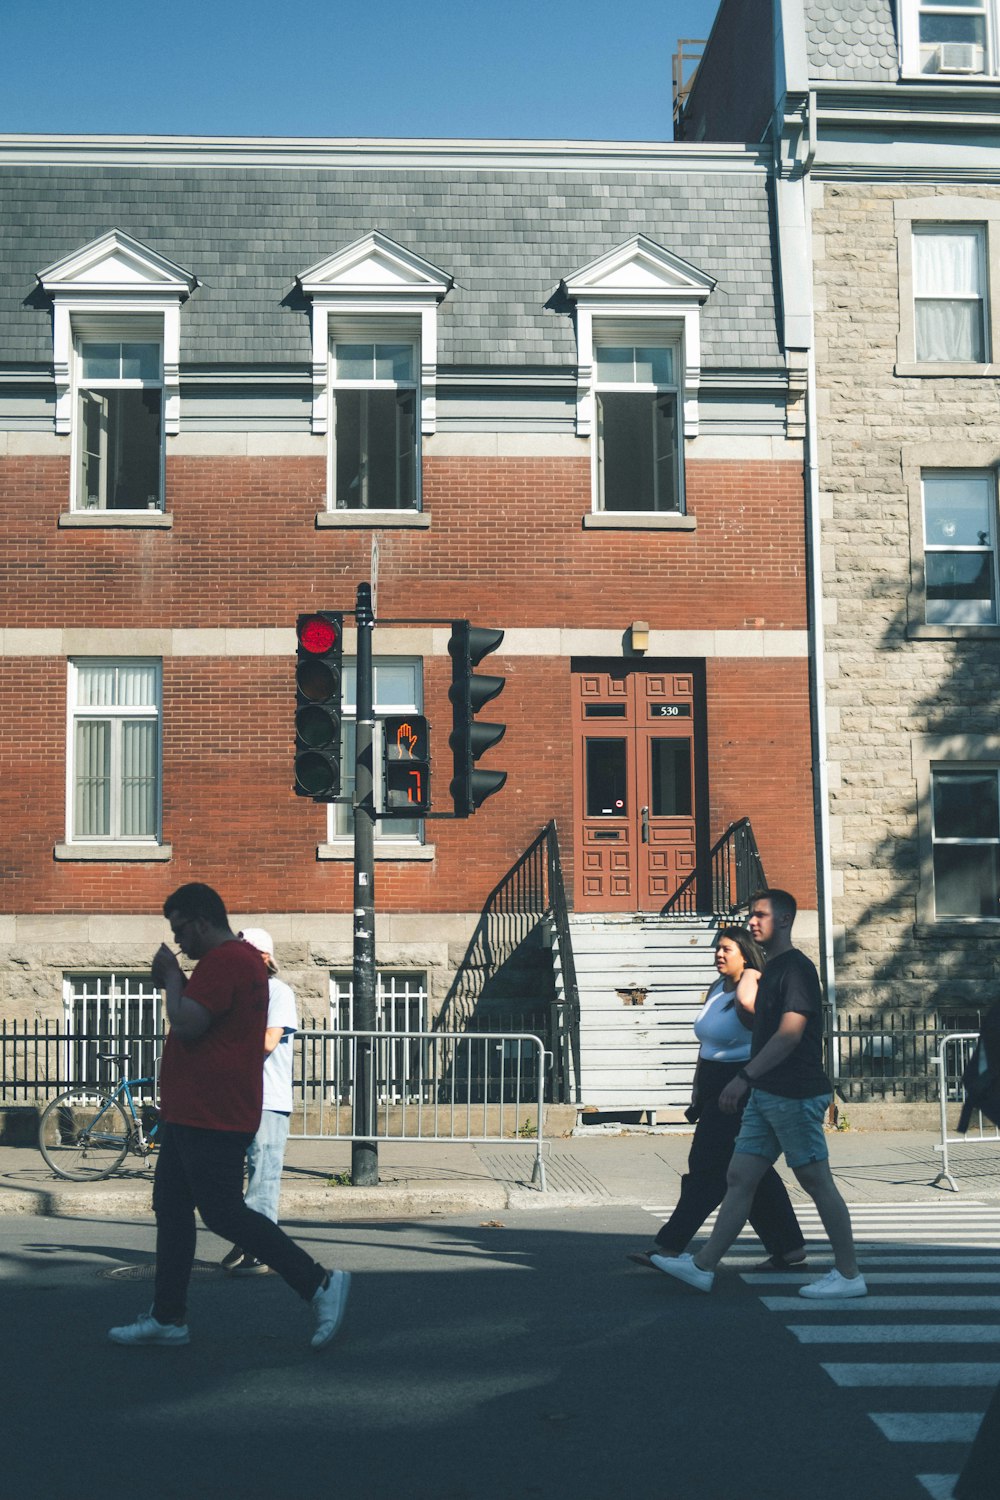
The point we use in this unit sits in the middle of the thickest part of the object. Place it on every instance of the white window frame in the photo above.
(946, 211)
(977, 233)
(116, 715)
(138, 330)
(374, 284)
(639, 294)
(397, 333)
(111, 1012)
(659, 339)
(943, 457)
(943, 753)
(392, 839)
(958, 67)
(987, 549)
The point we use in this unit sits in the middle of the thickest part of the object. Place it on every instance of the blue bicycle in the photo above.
(85, 1134)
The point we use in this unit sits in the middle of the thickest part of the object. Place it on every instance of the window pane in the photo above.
(95, 684)
(101, 361)
(92, 791)
(960, 588)
(108, 684)
(654, 366)
(607, 795)
(958, 510)
(670, 778)
(947, 262)
(966, 880)
(376, 448)
(951, 331)
(137, 684)
(141, 361)
(134, 450)
(953, 29)
(966, 805)
(355, 361)
(616, 365)
(395, 686)
(138, 815)
(637, 446)
(665, 444)
(393, 362)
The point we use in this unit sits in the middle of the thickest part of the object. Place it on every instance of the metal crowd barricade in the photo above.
(481, 1087)
(950, 1091)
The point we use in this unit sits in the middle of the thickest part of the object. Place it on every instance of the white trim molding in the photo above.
(639, 280)
(115, 276)
(371, 279)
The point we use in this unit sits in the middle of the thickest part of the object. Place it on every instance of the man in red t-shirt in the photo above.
(210, 1105)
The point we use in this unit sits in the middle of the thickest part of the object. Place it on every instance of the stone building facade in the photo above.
(887, 195)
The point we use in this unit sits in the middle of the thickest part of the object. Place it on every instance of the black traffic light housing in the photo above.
(469, 693)
(406, 765)
(318, 687)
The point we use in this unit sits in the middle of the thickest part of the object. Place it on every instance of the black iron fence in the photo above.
(873, 1058)
(40, 1059)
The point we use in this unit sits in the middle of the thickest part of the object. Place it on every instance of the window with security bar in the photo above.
(400, 1007)
(117, 1013)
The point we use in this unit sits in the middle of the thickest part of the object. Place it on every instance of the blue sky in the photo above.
(517, 68)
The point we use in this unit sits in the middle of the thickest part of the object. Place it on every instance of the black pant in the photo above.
(203, 1170)
(703, 1186)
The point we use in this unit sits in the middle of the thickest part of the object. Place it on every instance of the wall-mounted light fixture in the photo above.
(639, 633)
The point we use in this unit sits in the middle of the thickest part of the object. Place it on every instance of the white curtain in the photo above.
(948, 288)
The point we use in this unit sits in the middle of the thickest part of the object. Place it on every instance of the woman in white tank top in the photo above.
(723, 1031)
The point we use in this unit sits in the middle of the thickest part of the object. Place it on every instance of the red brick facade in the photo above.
(506, 547)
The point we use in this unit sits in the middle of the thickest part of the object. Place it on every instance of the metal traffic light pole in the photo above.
(364, 1150)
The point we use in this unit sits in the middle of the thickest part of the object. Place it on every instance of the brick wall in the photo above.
(506, 546)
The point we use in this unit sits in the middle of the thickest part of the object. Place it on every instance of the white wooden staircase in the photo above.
(642, 981)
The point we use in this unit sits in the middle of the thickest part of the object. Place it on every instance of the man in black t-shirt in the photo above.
(790, 1094)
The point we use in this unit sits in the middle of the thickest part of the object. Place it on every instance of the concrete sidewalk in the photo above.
(422, 1179)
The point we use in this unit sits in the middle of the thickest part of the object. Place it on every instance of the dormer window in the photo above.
(949, 39)
(374, 337)
(638, 312)
(116, 350)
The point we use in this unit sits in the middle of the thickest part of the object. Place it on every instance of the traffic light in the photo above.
(469, 693)
(406, 764)
(317, 705)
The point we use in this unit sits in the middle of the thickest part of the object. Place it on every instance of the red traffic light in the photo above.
(317, 634)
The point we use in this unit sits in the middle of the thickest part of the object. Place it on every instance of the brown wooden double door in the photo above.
(636, 732)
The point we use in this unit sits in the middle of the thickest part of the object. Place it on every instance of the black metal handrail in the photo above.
(735, 872)
(531, 893)
(569, 1032)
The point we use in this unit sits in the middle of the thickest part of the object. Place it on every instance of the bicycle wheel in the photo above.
(83, 1135)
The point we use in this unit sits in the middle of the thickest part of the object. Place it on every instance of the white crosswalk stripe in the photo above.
(926, 1297)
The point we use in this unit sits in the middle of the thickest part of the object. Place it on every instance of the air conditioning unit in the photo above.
(959, 57)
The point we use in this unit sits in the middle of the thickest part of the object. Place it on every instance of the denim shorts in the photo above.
(773, 1125)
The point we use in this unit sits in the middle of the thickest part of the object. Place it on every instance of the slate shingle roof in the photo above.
(506, 236)
(853, 40)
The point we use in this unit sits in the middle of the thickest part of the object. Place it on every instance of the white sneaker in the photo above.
(684, 1269)
(330, 1304)
(835, 1285)
(146, 1330)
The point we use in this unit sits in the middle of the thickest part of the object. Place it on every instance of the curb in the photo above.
(338, 1204)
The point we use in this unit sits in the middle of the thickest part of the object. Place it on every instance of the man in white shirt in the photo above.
(266, 1153)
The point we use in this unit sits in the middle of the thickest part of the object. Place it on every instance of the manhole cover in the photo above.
(148, 1272)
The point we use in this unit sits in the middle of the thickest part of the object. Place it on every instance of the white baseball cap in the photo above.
(259, 939)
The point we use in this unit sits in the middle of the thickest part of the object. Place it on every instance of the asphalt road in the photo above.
(478, 1361)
